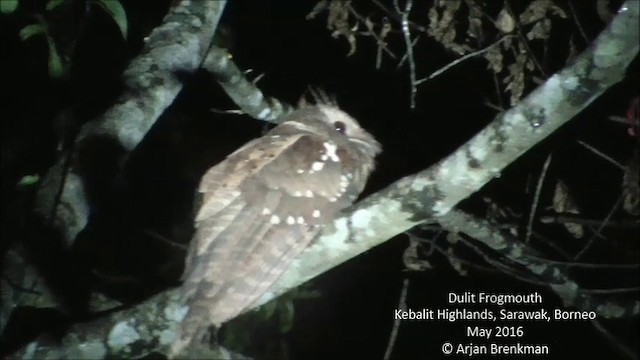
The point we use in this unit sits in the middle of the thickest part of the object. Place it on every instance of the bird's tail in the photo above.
(195, 328)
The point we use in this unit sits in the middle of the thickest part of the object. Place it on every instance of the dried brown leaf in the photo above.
(411, 257)
(515, 80)
(338, 20)
(505, 22)
(442, 25)
(539, 9)
(495, 59)
(540, 30)
(563, 202)
(475, 21)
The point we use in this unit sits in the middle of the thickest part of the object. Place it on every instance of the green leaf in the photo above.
(52, 4)
(286, 317)
(29, 180)
(115, 9)
(8, 6)
(31, 30)
(56, 67)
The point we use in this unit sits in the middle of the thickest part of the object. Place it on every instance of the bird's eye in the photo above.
(340, 127)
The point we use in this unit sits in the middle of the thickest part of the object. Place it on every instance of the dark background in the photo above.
(354, 314)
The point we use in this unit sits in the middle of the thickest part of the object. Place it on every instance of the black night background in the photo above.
(134, 244)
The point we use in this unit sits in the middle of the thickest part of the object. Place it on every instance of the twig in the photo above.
(578, 25)
(395, 16)
(404, 57)
(602, 155)
(402, 304)
(595, 236)
(552, 245)
(536, 198)
(154, 235)
(523, 40)
(461, 59)
(243, 92)
(503, 266)
(619, 119)
(450, 255)
(610, 291)
(409, 44)
(622, 348)
(381, 44)
(584, 265)
(574, 219)
(66, 166)
(496, 83)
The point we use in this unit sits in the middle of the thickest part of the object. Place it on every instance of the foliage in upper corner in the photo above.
(338, 20)
(513, 37)
(62, 30)
(117, 13)
(8, 6)
(512, 53)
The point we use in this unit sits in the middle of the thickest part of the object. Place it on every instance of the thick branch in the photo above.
(436, 190)
(177, 46)
(243, 92)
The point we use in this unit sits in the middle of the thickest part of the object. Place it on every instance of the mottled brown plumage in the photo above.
(263, 205)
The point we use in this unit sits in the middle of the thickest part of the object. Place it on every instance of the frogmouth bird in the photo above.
(264, 204)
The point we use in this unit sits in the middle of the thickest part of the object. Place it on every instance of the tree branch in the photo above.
(176, 47)
(244, 93)
(435, 191)
(553, 273)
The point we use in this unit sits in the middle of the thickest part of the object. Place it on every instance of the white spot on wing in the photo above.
(275, 220)
(331, 151)
(316, 213)
(344, 182)
(300, 171)
(291, 220)
(300, 220)
(266, 211)
(297, 194)
(317, 166)
(308, 194)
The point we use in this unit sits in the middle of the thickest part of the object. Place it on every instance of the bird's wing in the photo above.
(262, 206)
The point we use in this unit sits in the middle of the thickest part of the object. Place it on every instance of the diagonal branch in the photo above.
(552, 273)
(435, 191)
(244, 93)
(176, 47)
